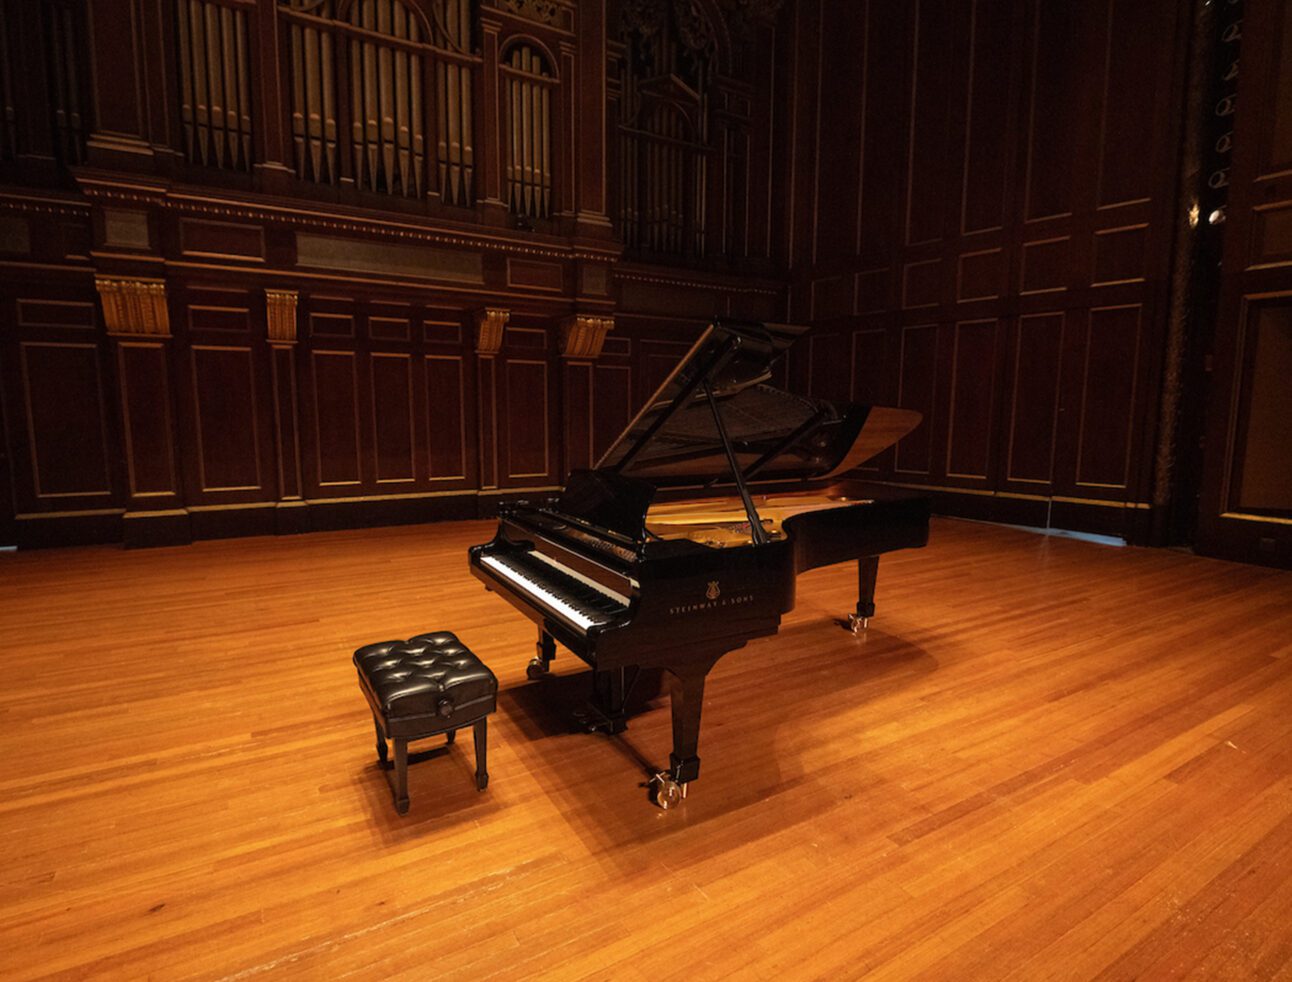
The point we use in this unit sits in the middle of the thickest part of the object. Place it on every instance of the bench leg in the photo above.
(450, 737)
(401, 775)
(481, 739)
(381, 742)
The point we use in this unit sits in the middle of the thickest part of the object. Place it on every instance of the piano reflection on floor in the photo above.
(685, 540)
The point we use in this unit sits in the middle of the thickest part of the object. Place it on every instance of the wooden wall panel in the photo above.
(987, 134)
(335, 389)
(873, 377)
(1055, 110)
(1108, 396)
(614, 402)
(1034, 407)
(143, 374)
(929, 155)
(973, 395)
(917, 389)
(391, 381)
(828, 366)
(1127, 144)
(839, 164)
(527, 449)
(577, 414)
(226, 418)
(1002, 234)
(446, 418)
(885, 102)
(67, 435)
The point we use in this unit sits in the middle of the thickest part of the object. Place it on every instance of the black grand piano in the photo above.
(683, 543)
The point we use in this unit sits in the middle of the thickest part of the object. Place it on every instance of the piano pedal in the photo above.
(591, 719)
(857, 623)
(666, 792)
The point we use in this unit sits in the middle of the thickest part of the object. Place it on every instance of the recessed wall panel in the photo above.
(66, 423)
(336, 417)
(224, 402)
(445, 417)
(1108, 396)
(392, 417)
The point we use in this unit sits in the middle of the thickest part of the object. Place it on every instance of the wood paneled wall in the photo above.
(1245, 510)
(337, 320)
(981, 229)
(203, 340)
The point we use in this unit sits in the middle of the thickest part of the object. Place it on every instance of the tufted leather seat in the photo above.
(431, 682)
(428, 685)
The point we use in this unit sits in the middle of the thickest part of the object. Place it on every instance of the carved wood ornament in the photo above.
(583, 335)
(133, 308)
(490, 323)
(280, 316)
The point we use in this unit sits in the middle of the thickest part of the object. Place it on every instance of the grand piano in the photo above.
(683, 543)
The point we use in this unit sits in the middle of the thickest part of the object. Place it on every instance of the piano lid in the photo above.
(774, 435)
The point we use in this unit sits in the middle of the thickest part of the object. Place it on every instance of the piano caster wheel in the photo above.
(666, 792)
(535, 670)
(857, 624)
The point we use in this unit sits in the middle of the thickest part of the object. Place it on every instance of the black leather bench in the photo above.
(426, 686)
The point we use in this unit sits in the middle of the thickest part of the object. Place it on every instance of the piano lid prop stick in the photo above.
(756, 530)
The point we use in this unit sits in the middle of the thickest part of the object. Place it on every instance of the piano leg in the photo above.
(539, 665)
(688, 699)
(867, 573)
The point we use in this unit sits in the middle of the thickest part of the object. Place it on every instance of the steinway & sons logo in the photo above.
(713, 599)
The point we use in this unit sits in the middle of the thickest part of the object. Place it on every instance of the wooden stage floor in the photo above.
(1047, 759)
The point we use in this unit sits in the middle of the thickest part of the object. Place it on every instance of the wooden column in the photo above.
(491, 323)
(582, 337)
(290, 512)
(590, 122)
(270, 133)
(137, 319)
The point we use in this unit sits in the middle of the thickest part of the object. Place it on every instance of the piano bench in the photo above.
(429, 685)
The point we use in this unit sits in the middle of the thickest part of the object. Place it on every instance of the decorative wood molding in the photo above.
(205, 202)
(134, 308)
(490, 323)
(582, 335)
(280, 315)
(553, 13)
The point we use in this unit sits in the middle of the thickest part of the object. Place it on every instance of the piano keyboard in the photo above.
(578, 598)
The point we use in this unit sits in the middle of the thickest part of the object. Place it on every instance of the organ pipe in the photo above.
(529, 116)
(386, 50)
(215, 83)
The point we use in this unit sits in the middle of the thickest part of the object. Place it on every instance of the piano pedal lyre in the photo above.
(666, 792)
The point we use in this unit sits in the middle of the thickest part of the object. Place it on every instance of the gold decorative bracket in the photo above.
(490, 323)
(582, 335)
(134, 308)
(280, 315)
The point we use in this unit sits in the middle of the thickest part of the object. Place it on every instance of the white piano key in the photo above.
(530, 586)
